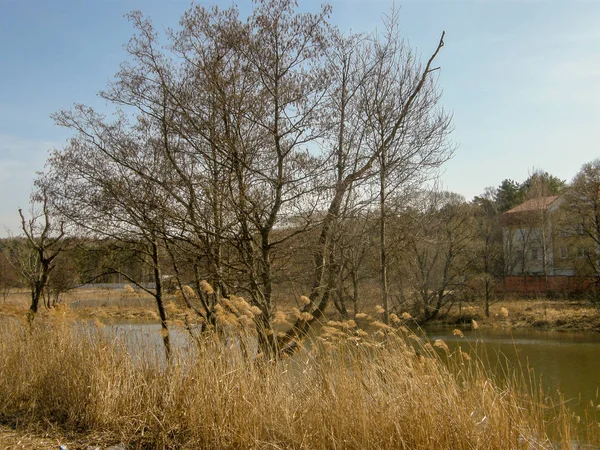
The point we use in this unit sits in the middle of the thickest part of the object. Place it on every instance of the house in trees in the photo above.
(544, 251)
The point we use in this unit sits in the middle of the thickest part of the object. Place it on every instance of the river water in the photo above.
(568, 362)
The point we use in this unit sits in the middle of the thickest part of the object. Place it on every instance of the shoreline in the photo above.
(519, 313)
(536, 314)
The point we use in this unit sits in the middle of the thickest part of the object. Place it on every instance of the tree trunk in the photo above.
(355, 291)
(158, 295)
(487, 295)
(382, 239)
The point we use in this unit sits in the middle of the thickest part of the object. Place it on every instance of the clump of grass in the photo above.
(206, 287)
(348, 390)
(128, 290)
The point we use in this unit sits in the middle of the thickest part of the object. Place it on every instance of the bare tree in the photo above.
(101, 183)
(407, 155)
(358, 146)
(439, 251)
(239, 136)
(486, 262)
(64, 277)
(582, 215)
(44, 242)
(352, 242)
(235, 122)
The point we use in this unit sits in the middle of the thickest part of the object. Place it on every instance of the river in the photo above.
(568, 362)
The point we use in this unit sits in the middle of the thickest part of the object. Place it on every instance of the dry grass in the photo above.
(118, 304)
(21, 297)
(348, 390)
(13, 440)
(555, 314)
(549, 314)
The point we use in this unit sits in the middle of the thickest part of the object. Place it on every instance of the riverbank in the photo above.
(539, 314)
(101, 304)
(520, 313)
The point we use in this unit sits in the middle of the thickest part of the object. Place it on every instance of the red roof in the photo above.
(524, 213)
(535, 204)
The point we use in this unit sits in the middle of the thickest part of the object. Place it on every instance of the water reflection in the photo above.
(567, 362)
(143, 340)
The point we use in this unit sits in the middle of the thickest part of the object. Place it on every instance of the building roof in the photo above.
(523, 213)
(535, 204)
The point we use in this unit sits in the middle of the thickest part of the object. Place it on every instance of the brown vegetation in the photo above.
(541, 313)
(116, 304)
(348, 390)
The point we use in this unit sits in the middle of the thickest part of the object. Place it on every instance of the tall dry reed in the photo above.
(345, 391)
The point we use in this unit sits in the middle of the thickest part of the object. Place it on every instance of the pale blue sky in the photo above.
(521, 77)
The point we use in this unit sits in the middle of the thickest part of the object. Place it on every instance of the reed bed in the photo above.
(348, 390)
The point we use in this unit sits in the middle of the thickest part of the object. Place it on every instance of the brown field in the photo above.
(538, 313)
(110, 304)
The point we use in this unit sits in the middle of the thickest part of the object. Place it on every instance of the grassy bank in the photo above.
(354, 391)
(536, 313)
(540, 313)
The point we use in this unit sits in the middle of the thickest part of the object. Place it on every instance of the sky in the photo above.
(521, 78)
